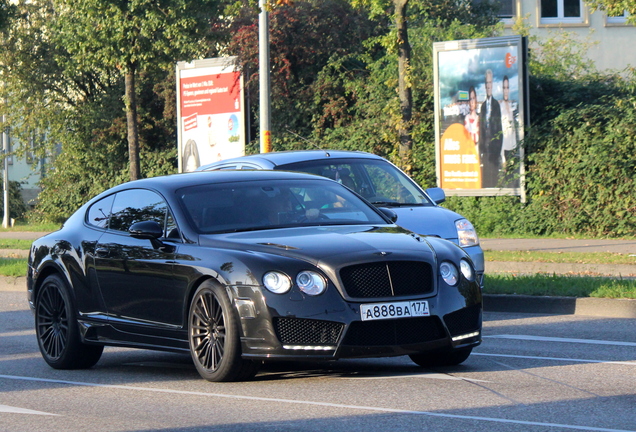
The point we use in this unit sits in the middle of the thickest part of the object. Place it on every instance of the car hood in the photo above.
(428, 220)
(328, 244)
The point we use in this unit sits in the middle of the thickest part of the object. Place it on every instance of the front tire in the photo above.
(447, 358)
(57, 329)
(213, 333)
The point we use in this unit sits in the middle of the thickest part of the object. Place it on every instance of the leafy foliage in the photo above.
(17, 207)
(615, 7)
(95, 157)
(303, 38)
(334, 80)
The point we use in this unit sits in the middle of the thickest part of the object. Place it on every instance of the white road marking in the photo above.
(10, 409)
(557, 339)
(628, 363)
(18, 333)
(322, 404)
(428, 376)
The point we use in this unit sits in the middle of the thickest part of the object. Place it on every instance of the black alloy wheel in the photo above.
(57, 329)
(446, 358)
(213, 333)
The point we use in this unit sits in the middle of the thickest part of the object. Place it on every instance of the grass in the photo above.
(560, 257)
(23, 226)
(13, 267)
(550, 236)
(15, 244)
(558, 285)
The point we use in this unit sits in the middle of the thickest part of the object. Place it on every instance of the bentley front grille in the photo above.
(388, 279)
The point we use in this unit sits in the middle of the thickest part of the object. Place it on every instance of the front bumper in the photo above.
(319, 331)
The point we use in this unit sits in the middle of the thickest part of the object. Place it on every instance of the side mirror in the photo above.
(436, 194)
(149, 230)
(146, 230)
(389, 213)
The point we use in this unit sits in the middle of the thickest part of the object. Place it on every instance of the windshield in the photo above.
(376, 180)
(247, 206)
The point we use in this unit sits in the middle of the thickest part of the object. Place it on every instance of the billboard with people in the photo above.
(480, 114)
(210, 112)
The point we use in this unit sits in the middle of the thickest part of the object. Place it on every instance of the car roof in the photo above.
(289, 157)
(173, 182)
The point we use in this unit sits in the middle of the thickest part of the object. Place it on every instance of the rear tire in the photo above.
(57, 330)
(213, 334)
(448, 358)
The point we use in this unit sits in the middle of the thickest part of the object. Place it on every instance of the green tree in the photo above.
(58, 103)
(357, 102)
(303, 38)
(131, 36)
(615, 7)
(403, 48)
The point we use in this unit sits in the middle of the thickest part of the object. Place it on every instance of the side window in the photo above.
(171, 231)
(137, 205)
(99, 212)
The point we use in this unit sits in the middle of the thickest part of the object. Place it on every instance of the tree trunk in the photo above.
(404, 87)
(131, 121)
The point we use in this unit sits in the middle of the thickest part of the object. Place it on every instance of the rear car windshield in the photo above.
(376, 180)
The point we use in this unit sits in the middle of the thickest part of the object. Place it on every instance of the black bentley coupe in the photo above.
(239, 267)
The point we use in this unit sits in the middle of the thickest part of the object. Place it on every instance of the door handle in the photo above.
(101, 252)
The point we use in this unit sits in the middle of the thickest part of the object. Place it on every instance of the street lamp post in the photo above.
(263, 78)
(5, 174)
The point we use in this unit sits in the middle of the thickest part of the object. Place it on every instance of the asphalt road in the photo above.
(532, 373)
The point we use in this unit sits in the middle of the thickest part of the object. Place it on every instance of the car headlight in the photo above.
(277, 282)
(449, 273)
(467, 270)
(466, 233)
(311, 283)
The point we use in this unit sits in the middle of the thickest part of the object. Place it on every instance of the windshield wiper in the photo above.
(394, 204)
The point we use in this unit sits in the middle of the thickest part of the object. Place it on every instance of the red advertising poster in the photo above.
(210, 112)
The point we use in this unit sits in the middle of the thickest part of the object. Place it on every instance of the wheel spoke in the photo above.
(207, 331)
(52, 321)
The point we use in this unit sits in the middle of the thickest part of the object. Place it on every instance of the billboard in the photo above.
(480, 114)
(210, 112)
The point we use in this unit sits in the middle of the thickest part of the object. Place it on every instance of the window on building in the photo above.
(617, 19)
(561, 11)
(508, 9)
(30, 154)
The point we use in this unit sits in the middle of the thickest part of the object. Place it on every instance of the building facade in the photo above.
(611, 36)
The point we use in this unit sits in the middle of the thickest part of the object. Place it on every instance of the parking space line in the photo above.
(18, 333)
(322, 404)
(437, 376)
(15, 410)
(557, 339)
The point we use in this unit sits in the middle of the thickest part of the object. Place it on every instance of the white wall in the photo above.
(616, 47)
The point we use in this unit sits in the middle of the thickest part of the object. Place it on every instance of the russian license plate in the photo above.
(407, 309)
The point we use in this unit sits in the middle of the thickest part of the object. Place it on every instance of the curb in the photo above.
(611, 308)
